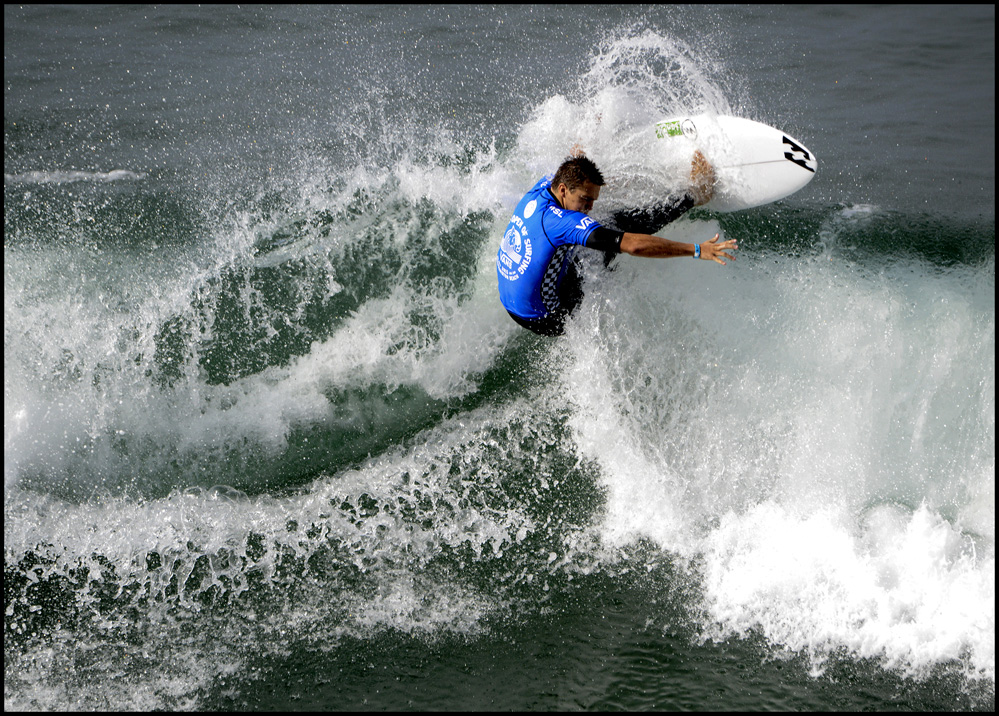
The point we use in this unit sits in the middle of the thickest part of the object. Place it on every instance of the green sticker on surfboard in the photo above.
(668, 129)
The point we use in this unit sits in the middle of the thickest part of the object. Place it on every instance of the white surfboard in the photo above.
(755, 164)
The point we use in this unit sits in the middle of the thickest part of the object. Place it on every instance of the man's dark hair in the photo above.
(575, 171)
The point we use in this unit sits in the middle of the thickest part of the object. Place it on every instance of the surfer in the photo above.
(539, 281)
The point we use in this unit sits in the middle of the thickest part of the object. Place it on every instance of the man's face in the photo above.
(579, 199)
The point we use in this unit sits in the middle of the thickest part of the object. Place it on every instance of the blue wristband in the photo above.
(697, 251)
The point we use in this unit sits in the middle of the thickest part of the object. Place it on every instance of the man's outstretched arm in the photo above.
(656, 247)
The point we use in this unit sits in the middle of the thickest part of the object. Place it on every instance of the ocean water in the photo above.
(271, 442)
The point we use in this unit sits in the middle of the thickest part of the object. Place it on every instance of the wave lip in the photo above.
(68, 176)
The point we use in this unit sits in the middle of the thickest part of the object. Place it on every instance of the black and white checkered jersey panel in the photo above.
(549, 285)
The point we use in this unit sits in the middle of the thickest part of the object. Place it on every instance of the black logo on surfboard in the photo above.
(798, 154)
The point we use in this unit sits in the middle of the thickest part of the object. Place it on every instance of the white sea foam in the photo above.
(363, 537)
(68, 176)
(813, 438)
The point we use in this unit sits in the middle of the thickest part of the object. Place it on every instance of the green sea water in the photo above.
(271, 442)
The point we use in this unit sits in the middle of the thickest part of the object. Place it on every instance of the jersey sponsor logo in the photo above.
(515, 251)
(529, 210)
(556, 211)
(584, 223)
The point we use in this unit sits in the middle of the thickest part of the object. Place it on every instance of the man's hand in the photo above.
(702, 179)
(711, 250)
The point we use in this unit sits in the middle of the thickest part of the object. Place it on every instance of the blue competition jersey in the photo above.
(536, 250)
